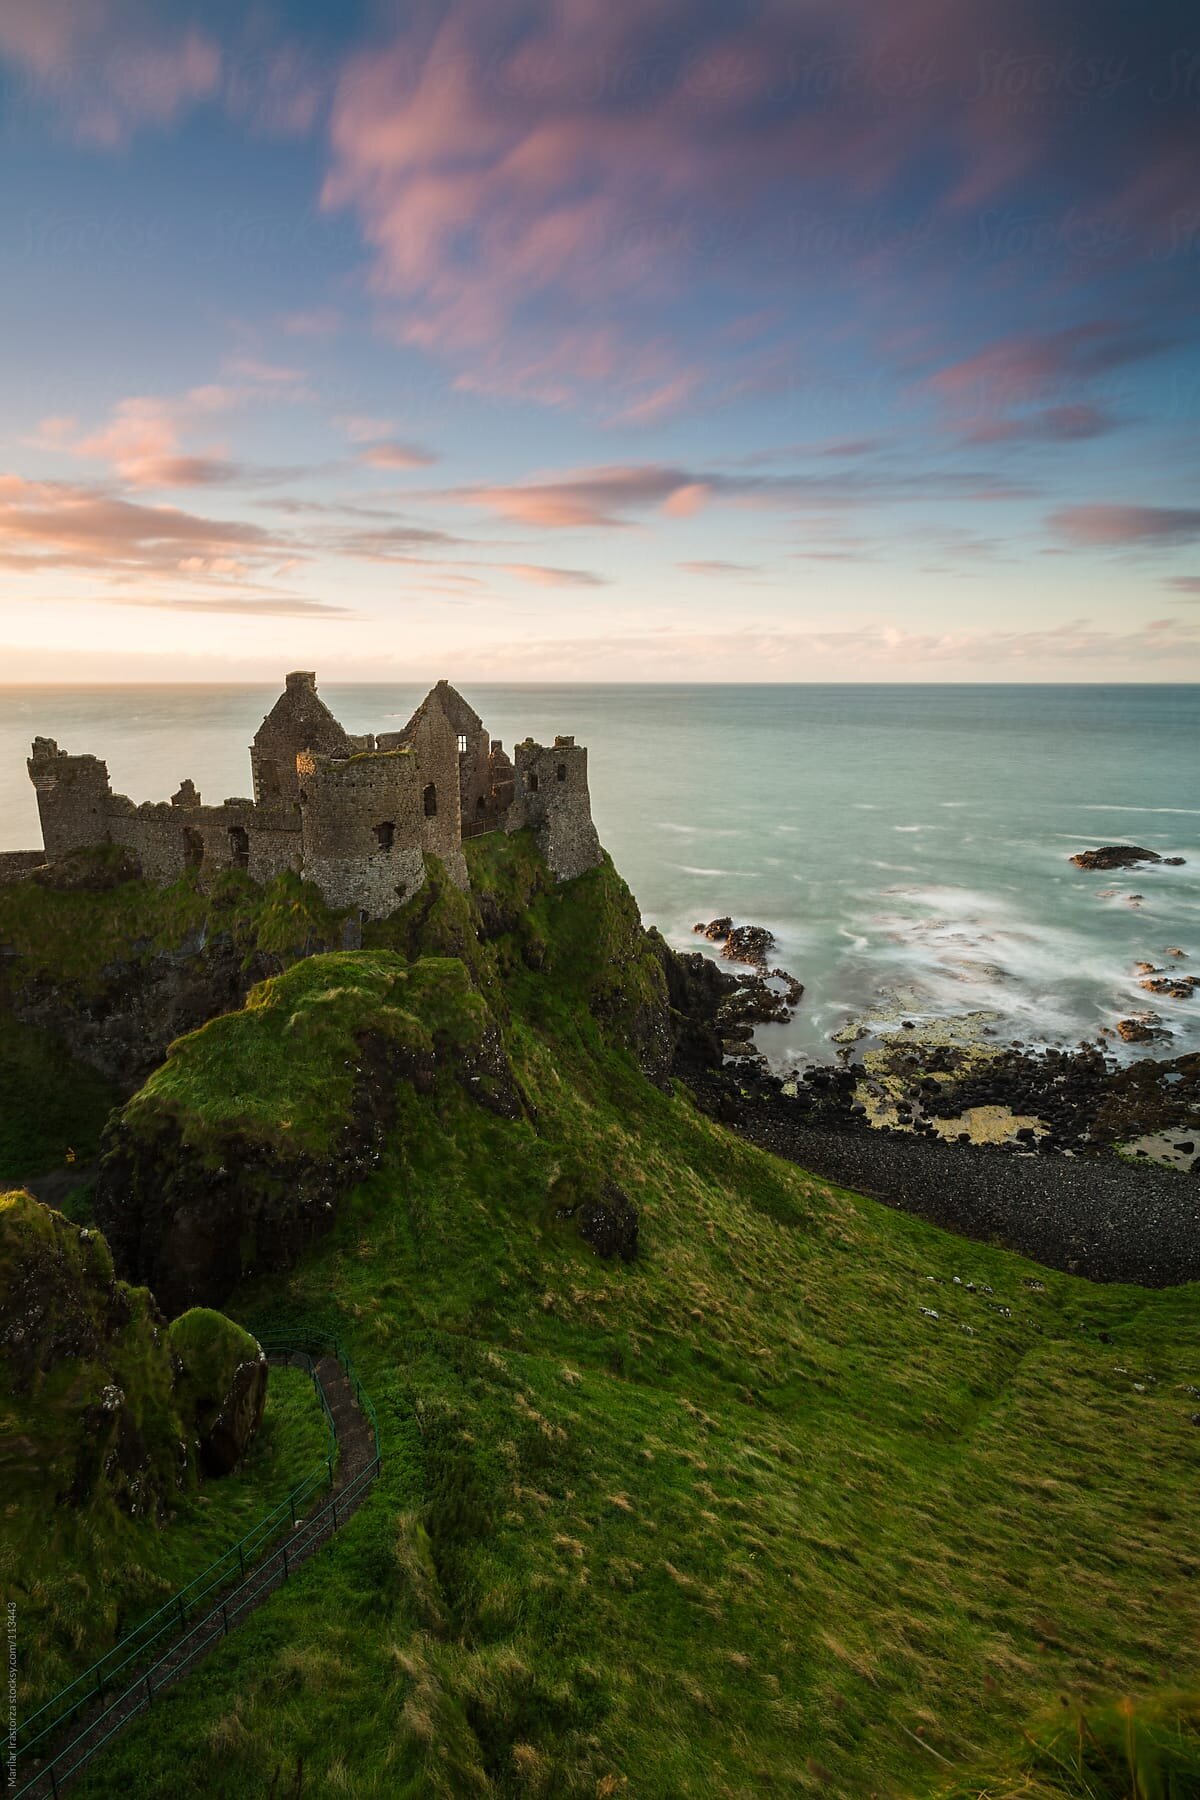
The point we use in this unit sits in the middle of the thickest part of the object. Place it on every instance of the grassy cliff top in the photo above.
(810, 1498)
(283, 1068)
(74, 935)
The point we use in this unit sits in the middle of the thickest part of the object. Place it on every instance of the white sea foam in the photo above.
(1190, 812)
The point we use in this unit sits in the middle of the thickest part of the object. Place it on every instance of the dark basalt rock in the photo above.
(231, 1433)
(1119, 856)
(739, 943)
(609, 1223)
(145, 1002)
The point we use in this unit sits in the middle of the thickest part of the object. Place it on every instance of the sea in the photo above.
(908, 845)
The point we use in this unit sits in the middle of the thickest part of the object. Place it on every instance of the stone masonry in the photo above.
(355, 815)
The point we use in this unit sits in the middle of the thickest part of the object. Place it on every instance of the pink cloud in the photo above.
(1052, 425)
(592, 497)
(397, 456)
(106, 68)
(45, 524)
(1117, 527)
(541, 576)
(614, 495)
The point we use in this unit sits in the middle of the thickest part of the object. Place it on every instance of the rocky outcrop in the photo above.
(1171, 987)
(603, 1214)
(1115, 856)
(203, 1184)
(739, 943)
(98, 1407)
(222, 1376)
(119, 969)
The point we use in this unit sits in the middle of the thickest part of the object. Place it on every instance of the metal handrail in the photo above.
(248, 1552)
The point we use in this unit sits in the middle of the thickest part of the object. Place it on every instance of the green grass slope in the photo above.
(808, 1498)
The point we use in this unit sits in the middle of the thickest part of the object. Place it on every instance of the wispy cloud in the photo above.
(541, 576)
(714, 566)
(615, 495)
(392, 455)
(1106, 525)
(46, 524)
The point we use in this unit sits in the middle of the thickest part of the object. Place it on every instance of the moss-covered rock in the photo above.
(238, 1151)
(222, 1385)
(99, 1410)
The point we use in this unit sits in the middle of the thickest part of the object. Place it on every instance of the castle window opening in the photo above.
(533, 781)
(193, 847)
(385, 835)
(429, 801)
(561, 772)
(462, 743)
(480, 805)
(239, 846)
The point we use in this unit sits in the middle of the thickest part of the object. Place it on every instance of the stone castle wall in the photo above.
(362, 828)
(357, 816)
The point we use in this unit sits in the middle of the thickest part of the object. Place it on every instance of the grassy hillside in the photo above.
(808, 1498)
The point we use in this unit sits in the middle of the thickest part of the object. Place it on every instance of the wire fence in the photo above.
(115, 1690)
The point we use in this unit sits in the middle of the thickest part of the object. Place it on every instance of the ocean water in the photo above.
(907, 845)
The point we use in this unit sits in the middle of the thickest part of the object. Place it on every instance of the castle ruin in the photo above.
(355, 815)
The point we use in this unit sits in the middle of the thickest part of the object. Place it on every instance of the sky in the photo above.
(600, 340)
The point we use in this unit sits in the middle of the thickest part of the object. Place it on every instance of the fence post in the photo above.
(182, 1614)
(149, 1690)
(286, 1571)
(225, 1618)
(292, 1507)
(241, 1561)
(53, 1782)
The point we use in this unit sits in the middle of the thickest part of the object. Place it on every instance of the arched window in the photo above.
(429, 801)
(193, 847)
(239, 846)
(480, 806)
(561, 772)
(385, 835)
(533, 781)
